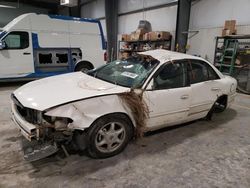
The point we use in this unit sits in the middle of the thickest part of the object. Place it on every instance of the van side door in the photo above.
(16, 59)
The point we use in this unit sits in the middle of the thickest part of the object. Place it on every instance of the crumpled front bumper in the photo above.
(28, 130)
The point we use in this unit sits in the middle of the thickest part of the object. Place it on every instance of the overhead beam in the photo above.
(182, 25)
(111, 14)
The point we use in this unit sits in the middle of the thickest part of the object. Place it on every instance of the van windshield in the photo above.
(131, 72)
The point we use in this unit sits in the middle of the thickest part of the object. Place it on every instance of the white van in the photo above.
(34, 46)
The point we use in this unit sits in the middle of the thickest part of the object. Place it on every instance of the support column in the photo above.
(111, 14)
(182, 25)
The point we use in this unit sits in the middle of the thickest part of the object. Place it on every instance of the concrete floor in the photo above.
(198, 154)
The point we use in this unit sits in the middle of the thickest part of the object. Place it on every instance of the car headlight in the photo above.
(59, 123)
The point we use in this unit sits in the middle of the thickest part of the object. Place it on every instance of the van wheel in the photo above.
(84, 67)
(109, 136)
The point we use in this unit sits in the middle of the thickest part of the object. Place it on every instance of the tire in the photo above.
(219, 106)
(84, 67)
(109, 136)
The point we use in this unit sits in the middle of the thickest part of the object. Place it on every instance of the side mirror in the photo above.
(2, 45)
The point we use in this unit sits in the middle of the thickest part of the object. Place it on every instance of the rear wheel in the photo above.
(219, 106)
(109, 136)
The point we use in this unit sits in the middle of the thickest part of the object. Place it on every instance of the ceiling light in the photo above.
(6, 6)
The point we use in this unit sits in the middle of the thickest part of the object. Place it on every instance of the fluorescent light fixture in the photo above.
(69, 3)
(6, 6)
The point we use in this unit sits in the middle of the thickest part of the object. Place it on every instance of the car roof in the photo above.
(165, 55)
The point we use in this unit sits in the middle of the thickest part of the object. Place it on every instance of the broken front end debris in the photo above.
(44, 134)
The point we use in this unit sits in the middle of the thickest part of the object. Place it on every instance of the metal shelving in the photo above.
(143, 45)
(238, 65)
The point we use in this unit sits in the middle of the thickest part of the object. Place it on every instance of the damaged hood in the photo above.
(52, 91)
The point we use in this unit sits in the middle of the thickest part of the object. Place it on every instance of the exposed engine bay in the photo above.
(46, 134)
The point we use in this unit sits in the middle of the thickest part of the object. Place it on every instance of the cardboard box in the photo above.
(124, 55)
(125, 37)
(141, 31)
(226, 32)
(159, 35)
(146, 36)
(230, 24)
(135, 36)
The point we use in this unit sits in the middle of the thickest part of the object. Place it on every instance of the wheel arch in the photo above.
(85, 112)
(83, 62)
(115, 114)
(222, 98)
(220, 104)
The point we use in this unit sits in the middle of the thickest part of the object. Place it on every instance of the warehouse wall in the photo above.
(8, 14)
(96, 9)
(63, 10)
(161, 18)
(208, 18)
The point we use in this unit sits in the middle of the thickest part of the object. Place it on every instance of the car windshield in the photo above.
(131, 72)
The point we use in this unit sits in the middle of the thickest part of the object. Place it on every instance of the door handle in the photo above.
(184, 97)
(26, 53)
(215, 89)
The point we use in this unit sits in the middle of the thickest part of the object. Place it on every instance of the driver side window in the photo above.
(172, 75)
(17, 40)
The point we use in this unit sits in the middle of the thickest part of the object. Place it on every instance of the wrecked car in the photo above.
(100, 112)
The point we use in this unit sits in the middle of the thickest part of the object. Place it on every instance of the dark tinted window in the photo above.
(199, 71)
(17, 40)
(172, 75)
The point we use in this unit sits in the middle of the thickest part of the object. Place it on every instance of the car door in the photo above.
(168, 95)
(205, 88)
(16, 59)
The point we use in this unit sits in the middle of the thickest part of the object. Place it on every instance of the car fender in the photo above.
(84, 112)
(228, 85)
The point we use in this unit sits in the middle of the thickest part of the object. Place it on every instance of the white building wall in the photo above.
(8, 14)
(130, 5)
(95, 9)
(162, 19)
(208, 17)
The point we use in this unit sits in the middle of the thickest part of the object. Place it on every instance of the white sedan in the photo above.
(101, 111)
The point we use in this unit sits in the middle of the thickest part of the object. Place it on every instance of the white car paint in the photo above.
(167, 106)
(84, 98)
(53, 91)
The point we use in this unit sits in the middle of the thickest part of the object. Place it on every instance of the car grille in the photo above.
(30, 115)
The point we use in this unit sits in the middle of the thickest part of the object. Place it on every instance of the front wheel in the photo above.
(109, 136)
